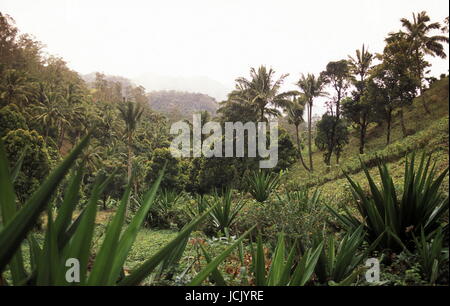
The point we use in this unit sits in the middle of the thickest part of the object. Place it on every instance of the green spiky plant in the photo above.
(283, 270)
(396, 218)
(339, 261)
(66, 239)
(302, 200)
(432, 254)
(201, 204)
(224, 211)
(262, 183)
(161, 213)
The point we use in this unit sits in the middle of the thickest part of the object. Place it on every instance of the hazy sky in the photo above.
(220, 39)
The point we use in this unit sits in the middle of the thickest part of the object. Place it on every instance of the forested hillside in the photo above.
(90, 178)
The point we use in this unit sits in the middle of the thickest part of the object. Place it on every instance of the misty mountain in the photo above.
(198, 84)
(181, 105)
(175, 104)
(90, 78)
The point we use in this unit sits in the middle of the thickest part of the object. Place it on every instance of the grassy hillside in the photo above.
(428, 133)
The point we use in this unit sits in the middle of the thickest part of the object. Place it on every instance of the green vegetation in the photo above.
(88, 182)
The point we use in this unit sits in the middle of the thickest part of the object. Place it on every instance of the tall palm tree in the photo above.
(312, 87)
(359, 67)
(360, 64)
(72, 109)
(295, 112)
(131, 114)
(418, 32)
(261, 91)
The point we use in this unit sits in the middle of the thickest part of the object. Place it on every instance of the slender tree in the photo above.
(295, 112)
(357, 109)
(337, 75)
(131, 113)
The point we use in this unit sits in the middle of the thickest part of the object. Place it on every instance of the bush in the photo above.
(174, 178)
(36, 161)
(11, 119)
(261, 184)
(433, 256)
(394, 220)
(168, 211)
(298, 214)
(225, 211)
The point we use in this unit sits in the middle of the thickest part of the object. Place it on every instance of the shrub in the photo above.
(166, 212)
(36, 161)
(225, 211)
(339, 260)
(11, 119)
(174, 177)
(394, 219)
(432, 254)
(283, 270)
(262, 183)
(298, 214)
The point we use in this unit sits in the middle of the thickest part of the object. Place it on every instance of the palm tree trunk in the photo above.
(129, 170)
(402, 122)
(61, 138)
(310, 137)
(419, 76)
(389, 119)
(300, 149)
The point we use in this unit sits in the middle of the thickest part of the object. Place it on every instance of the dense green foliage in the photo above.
(71, 145)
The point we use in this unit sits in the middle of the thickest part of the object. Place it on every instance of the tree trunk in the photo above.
(61, 138)
(129, 159)
(362, 136)
(338, 104)
(129, 171)
(389, 119)
(419, 76)
(327, 158)
(300, 149)
(422, 98)
(309, 137)
(402, 122)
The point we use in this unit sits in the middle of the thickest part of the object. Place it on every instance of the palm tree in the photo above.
(48, 110)
(261, 91)
(72, 109)
(131, 113)
(295, 111)
(15, 88)
(422, 42)
(359, 67)
(360, 64)
(311, 87)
